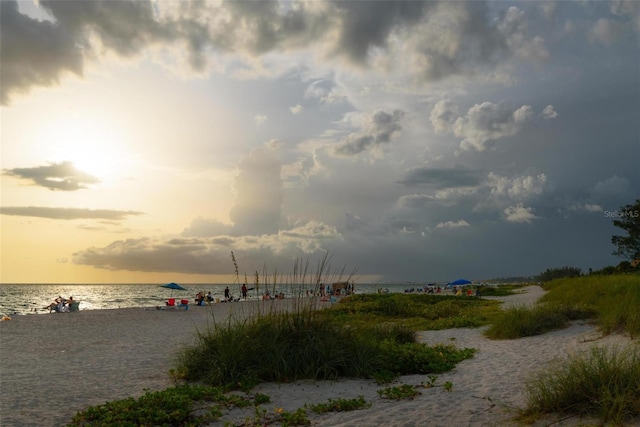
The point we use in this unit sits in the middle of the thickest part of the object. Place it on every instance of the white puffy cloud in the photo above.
(519, 213)
(518, 188)
(489, 122)
(514, 27)
(483, 123)
(549, 112)
(444, 115)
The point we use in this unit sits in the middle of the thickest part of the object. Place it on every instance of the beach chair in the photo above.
(171, 302)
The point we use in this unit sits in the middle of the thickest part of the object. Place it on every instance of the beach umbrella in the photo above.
(460, 282)
(173, 286)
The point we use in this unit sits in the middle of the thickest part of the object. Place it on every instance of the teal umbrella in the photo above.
(460, 282)
(173, 286)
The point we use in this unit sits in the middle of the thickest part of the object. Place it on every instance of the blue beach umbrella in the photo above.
(460, 282)
(173, 286)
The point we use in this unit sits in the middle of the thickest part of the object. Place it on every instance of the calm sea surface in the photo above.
(33, 298)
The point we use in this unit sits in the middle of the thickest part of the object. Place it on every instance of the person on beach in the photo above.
(227, 294)
(209, 297)
(57, 304)
(199, 298)
(244, 291)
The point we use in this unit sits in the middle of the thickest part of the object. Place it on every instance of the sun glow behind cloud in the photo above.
(91, 145)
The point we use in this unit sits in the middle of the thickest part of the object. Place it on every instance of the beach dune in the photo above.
(51, 366)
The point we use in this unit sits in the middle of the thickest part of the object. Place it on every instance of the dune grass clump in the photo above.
(604, 383)
(308, 344)
(522, 321)
(614, 299)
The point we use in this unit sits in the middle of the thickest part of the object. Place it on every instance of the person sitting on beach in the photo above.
(199, 298)
(57, 304)
(209, 297)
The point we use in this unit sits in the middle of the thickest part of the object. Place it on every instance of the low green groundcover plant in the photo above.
(604, 383)
(175, 406)
(340, 405)
(401, 392)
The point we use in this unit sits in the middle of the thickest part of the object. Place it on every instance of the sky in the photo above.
(144, 141)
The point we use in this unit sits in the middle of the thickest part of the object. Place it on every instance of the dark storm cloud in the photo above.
(364, 26)
(56, 176)
(434, 40)
(442, 178)
(67, 213)
(33, 53)
(39, 53)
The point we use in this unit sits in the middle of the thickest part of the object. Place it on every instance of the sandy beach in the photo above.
(54, 365)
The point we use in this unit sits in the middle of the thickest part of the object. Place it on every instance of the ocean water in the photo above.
(33, 298)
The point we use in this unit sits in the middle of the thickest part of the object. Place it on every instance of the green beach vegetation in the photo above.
(604, 383)
(610, 301)
(366, 336)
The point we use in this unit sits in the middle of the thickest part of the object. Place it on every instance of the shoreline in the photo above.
(53, 366)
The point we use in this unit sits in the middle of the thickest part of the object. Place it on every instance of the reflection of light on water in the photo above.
(25, 298)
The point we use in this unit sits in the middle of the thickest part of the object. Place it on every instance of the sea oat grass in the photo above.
(308, 344)
(522, 321)
(604, 383)
(613, 299)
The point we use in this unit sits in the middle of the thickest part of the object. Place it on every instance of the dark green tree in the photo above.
(628, 219)
(557, 273)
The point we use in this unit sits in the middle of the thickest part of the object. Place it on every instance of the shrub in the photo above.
(603, 383)
(613, 299)
(308, 344)
(524, 321)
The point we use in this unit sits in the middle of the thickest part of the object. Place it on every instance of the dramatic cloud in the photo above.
(67, 213)
(444, 39)
(56, 176)
(211, 255)
(406, 137)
